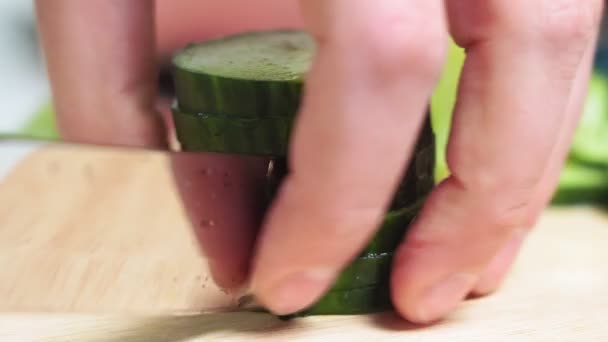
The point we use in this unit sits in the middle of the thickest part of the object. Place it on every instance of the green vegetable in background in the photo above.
(590, 145)
(584, 178)
(42, 124)
(589, 154)
(582, 184)
(442, 104)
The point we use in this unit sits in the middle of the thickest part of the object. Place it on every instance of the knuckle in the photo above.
(508, 214)
(497, 180)
(409, 52)
(398, 45)
(565, 22)
(504, 201)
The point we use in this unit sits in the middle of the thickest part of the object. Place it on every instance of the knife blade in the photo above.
(90, 228)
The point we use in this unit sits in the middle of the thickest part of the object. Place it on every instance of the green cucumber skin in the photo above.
(414, 188)
(201, 93)
(267, 136)
(363, 300)
(419, 179)
(364, 271)
(393, 229)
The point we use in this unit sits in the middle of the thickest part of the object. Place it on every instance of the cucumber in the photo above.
(367, 270)
(363, 300)
(264, 136)
(241, 94)
(249, 74)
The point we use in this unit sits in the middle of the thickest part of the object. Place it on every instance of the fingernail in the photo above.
(445, 296)
(294, 292)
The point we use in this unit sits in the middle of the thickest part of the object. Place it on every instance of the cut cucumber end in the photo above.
(280, 55)
(250, 74)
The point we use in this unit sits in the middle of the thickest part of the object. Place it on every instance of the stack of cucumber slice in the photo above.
(240, 94)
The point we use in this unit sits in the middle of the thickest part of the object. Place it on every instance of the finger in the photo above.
(365, 99)
(522, 59)
(222, 196)
(493, 276)
(494, 273)
(102, 70)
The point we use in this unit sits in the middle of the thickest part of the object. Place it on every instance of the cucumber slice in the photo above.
(364, 300)
(364, 271)
(250, 74)
(264, 136)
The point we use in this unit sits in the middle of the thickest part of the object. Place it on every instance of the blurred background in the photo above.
(26, 102)
(25, 93)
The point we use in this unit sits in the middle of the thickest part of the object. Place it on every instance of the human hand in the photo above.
(102, 59)
(521, 94)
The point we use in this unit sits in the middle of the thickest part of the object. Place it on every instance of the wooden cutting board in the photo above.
(94, 246)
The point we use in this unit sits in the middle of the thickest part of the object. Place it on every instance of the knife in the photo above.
(104, 229)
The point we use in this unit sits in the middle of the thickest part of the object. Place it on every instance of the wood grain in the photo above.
(85, 229)
(87, 255)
